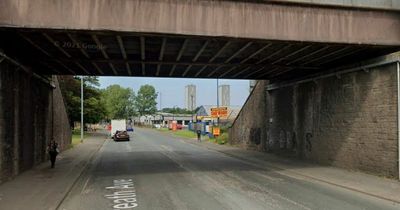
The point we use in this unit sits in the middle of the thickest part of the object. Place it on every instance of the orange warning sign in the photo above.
(219, 112)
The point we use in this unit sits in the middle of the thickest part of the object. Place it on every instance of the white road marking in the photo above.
(271, 178)
(128, 146)
(124, 194)
(84, 186)
(168, 148)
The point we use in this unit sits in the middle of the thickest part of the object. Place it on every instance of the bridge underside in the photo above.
(194, 38)
(165, 55)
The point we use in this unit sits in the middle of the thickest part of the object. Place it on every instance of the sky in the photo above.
(173, 89)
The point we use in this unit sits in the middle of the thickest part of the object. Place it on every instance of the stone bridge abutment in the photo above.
(348, 119)
(32, 112)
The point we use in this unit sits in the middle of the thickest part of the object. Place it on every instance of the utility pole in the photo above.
(173, 113)
(191, 97)
(82, 109)
(217, 100)
(160, 101)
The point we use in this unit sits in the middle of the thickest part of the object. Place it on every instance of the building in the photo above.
(224, 95)
(163, 119)
(190, 97)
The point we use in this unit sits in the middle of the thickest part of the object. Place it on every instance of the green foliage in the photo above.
(76, 137)
(163, 129)
(177, 110)
(91, 81)
(94, 110)
(118, 102)
(114, 102)
(223, 138)
(185, 133)
(146, 100)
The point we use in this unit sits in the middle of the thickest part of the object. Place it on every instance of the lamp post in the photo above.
(191, 98)
(218, 99)
(160, 101)
(159, 94)
(173, 113)
(82, 109)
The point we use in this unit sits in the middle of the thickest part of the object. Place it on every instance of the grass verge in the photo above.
(163, 129)
(222, 139)
(76, 137)
(185, 134)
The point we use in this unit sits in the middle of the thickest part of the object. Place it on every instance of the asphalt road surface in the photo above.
(157, 171)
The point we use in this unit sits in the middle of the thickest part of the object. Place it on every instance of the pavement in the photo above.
(156, 170)
(43, 187)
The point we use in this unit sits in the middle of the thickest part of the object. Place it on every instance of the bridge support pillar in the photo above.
(31, 114)
(348, 121)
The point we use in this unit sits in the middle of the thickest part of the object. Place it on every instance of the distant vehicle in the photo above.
(129, 127)
(117, 125)
(121, 136)
(179, 126)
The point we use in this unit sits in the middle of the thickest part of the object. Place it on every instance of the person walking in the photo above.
(198, 131)
(53, 151)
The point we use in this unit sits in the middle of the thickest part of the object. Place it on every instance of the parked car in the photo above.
(179, 126)
(121, 136)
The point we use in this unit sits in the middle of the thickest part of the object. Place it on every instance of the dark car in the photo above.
(121, 136)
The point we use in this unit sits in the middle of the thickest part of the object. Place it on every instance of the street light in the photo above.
(173, 113)
(82, 109)
(191, 97)
(217, 100)
(160, 99)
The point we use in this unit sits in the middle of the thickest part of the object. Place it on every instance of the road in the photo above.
(157, 171)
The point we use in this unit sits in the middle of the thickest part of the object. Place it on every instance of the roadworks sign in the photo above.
(219, 112)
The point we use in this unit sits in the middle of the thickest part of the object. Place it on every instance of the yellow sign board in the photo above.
(216, 131)
(219, 112)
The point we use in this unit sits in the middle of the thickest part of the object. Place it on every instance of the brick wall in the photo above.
(28, 108)
(349, 122)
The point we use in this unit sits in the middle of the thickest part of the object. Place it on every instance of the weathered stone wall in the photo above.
(248, 129)
(28, 108)
(61, 126)
(349, 122)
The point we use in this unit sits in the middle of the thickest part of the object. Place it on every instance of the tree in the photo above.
(94, 110)
(70, 89)
(146, 100)
(119, 102)
(177, 110)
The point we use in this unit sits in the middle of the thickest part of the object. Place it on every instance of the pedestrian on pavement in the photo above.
(53, 151)
(198, 131)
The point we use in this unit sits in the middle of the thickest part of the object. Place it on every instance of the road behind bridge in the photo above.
(159, 171)
(164, 172)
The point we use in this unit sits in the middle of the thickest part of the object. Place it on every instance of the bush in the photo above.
(223, 138)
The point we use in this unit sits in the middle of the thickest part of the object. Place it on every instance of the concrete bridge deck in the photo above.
(196, 39)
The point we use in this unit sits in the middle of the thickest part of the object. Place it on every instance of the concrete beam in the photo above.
(362, 4)
(288, 22)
